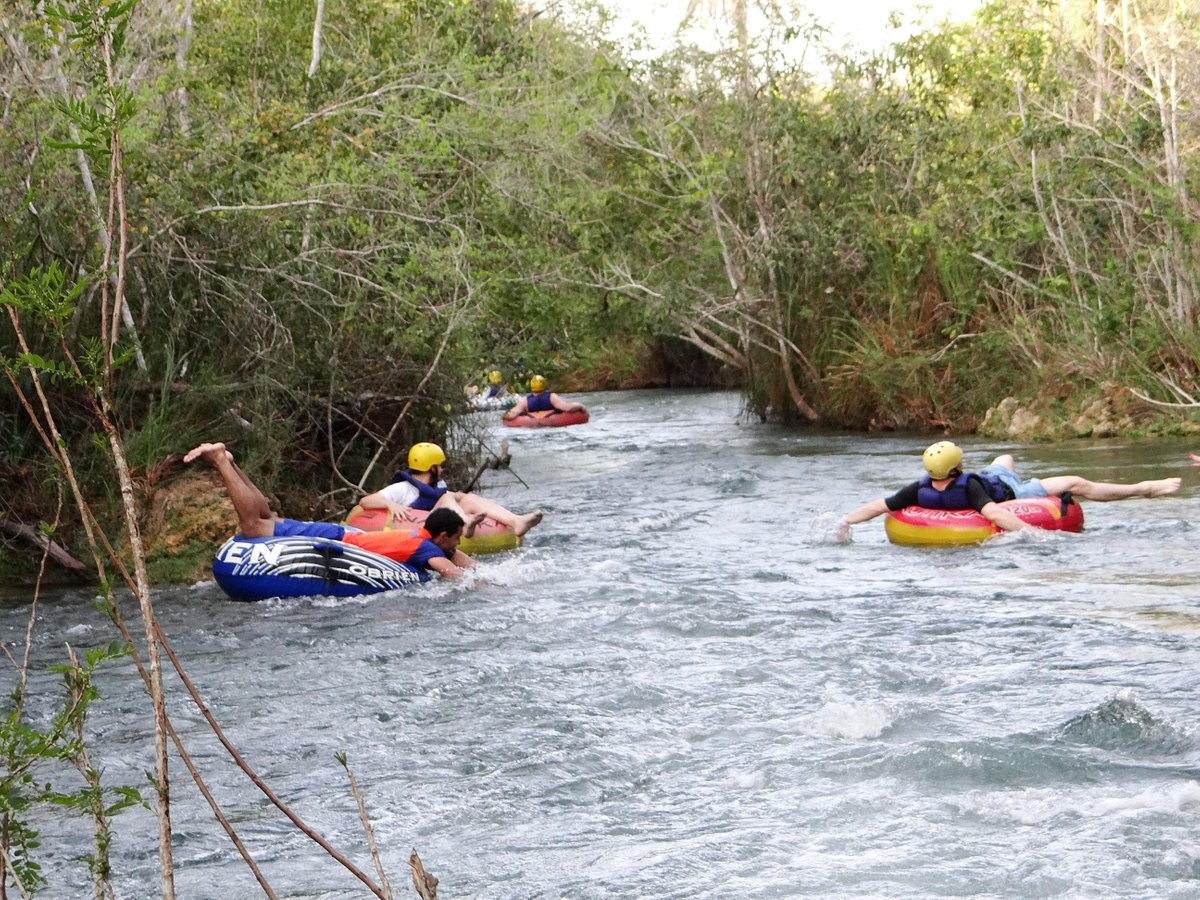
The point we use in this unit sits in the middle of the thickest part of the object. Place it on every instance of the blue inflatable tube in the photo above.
(259, 568)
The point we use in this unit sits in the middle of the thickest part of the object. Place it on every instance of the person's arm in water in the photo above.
(519, 408)
(865, 513)
(906, 496)
(454, 567)
(445, 568)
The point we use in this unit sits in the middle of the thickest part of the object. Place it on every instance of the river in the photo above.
(683, 686)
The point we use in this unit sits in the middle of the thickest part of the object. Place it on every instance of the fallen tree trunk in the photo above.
(44, 544)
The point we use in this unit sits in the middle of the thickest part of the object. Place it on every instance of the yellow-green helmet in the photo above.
(495, 377)
(424, 456)
(942, 458)
(537, 384)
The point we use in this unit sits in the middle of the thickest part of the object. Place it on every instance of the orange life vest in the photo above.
(397, 545)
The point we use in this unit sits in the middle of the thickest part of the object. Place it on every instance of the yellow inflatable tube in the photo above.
(915, 526)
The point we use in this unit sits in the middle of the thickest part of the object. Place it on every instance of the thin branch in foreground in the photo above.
(366, 824)
(254, 777)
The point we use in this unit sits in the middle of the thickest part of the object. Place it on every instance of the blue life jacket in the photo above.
(427, 495)
(955, 494)
(538, 402)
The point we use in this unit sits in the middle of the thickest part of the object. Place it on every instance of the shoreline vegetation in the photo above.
(306, 231)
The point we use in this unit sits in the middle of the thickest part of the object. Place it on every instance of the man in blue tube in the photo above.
(433, 546)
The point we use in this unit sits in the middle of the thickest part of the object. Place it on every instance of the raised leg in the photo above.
(255, 518)
(1005, 460)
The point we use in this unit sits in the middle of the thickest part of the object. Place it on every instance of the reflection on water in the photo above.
(684, 687)
(1166, 619)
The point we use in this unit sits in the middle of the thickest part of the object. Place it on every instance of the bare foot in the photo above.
(1165, 486)
(471, 523)
(525, 522)
(1195, 458)
(208, 451)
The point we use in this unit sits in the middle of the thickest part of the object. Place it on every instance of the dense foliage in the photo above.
(324, 247)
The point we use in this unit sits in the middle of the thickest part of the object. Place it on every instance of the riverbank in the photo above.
(1113, 411)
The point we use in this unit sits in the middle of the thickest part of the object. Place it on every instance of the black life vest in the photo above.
(954, 496)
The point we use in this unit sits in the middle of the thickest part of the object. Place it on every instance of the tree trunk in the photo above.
(107, 418)
(182, 45)
(316, 39)
(1100, 75)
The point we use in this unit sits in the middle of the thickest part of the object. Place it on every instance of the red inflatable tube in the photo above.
(917, 526)
(553, 418)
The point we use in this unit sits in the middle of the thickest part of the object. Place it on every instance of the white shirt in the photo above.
(402, 493)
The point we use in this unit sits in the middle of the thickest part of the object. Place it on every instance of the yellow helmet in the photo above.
(537, 384)
(495, 377)
(424, 456)
(942, 458)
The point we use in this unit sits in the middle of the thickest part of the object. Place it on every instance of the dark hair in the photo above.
(443, 521)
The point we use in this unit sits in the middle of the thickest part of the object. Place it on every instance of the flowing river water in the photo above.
(683, 686)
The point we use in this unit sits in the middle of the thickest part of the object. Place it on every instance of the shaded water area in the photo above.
(683, 687)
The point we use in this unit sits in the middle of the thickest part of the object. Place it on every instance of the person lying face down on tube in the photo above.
(433, 547)
(947, 486)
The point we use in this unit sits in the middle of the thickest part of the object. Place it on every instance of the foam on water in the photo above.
(855, 721)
